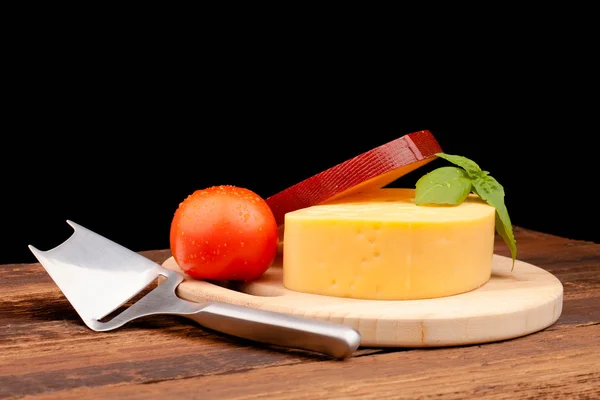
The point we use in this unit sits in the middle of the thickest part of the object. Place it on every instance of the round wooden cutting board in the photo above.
(509, 305)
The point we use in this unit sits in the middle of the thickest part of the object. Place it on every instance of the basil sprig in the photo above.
(452, 185)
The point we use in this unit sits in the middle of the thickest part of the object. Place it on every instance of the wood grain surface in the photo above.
(48, 353)
(511, 304)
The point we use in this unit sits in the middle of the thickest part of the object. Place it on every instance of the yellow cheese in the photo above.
(380, 245)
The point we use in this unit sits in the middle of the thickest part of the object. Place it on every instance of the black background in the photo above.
(115, 142)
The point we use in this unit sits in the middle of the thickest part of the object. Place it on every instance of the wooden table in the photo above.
(47, 352)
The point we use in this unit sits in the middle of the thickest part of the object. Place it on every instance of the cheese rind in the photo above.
(380, 245)
(369, 170)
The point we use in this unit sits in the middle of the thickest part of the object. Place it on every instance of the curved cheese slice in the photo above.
(372, 169)
(380, 245)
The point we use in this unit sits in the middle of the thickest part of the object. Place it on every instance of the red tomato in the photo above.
(224, 233)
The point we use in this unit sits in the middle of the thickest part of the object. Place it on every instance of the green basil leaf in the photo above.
(445, 185)
(473, 170)
(490, 190)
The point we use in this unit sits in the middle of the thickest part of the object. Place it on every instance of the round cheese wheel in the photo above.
(370, 170)
(380, 245)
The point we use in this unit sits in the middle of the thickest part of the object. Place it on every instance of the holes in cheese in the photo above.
(370, 170)
(380, 245)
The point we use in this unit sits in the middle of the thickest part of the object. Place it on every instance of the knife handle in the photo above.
(336, 340)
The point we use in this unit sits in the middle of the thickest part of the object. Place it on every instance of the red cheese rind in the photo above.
(372, 169)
